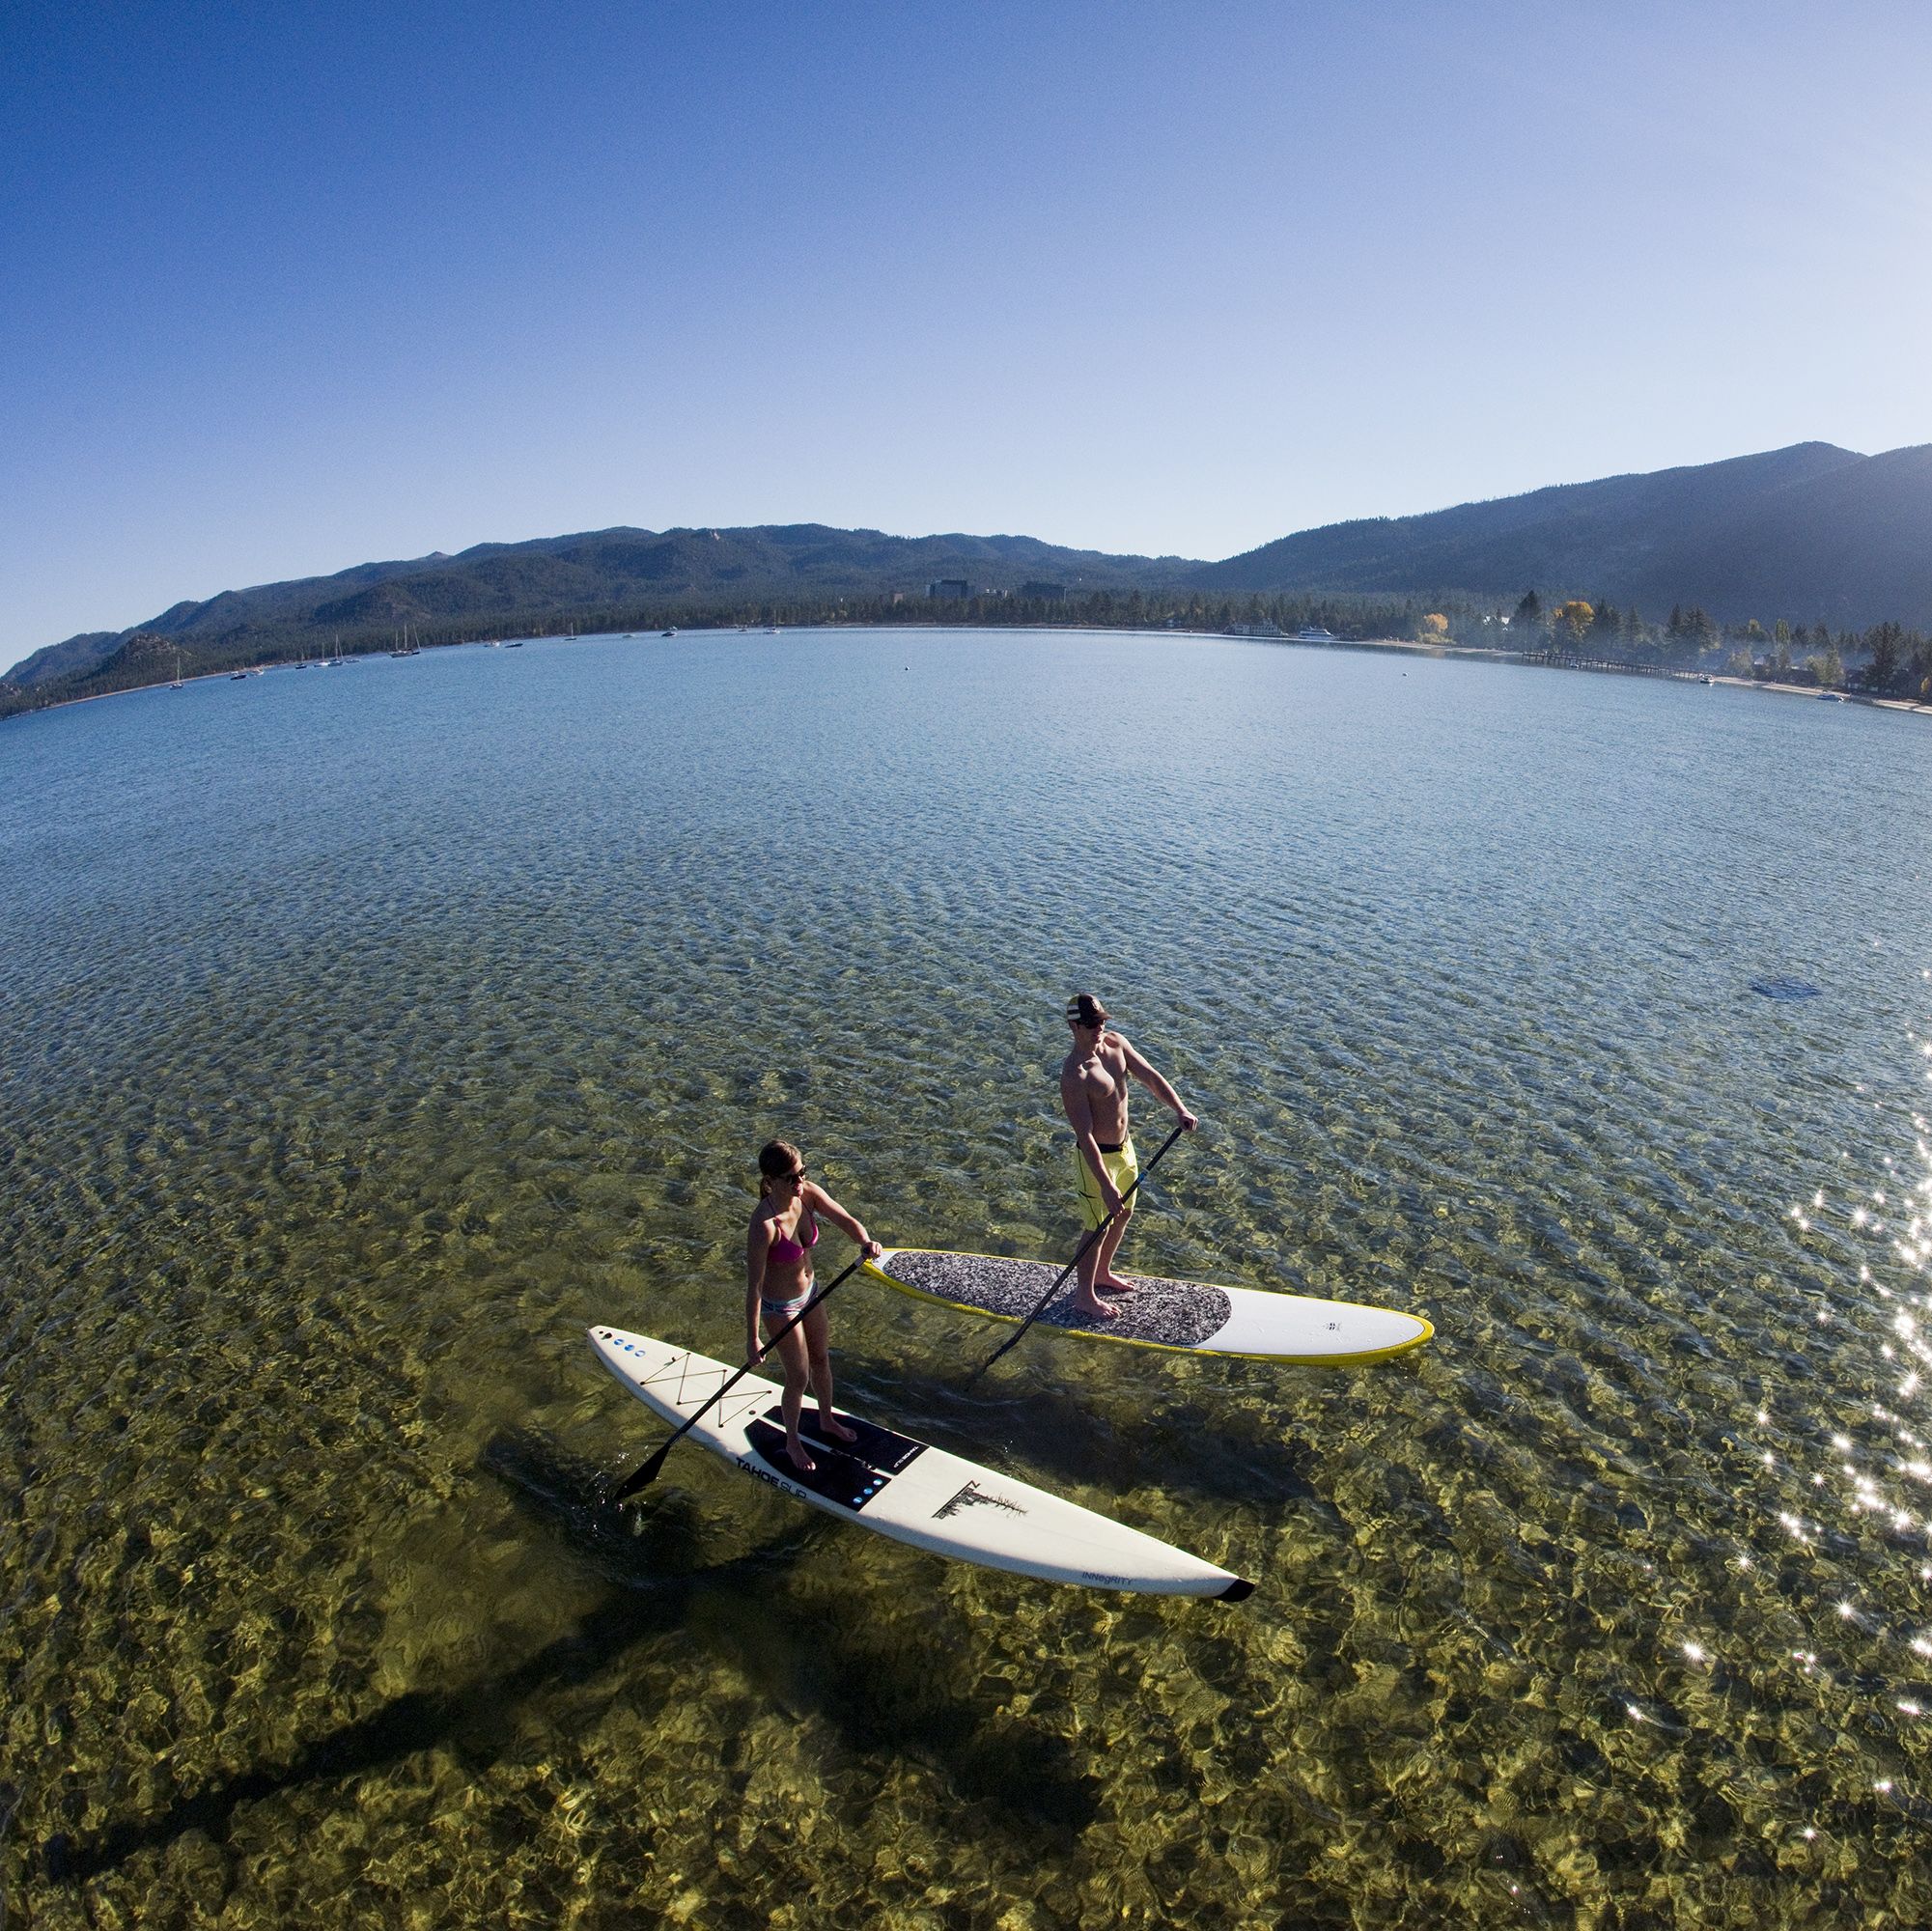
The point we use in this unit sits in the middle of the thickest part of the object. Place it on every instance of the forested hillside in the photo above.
(1813, 536)
(1810, 533)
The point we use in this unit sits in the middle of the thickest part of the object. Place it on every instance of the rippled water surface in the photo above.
(369, 1032)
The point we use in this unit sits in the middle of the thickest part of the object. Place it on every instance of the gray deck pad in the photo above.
(1174, 1313)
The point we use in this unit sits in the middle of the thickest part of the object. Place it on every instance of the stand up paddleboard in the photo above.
(906, 1489)
(1186, 1316)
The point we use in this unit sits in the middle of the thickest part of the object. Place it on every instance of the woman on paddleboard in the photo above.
(778, 1283)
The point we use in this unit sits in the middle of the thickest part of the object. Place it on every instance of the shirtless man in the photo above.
(1093, 1090)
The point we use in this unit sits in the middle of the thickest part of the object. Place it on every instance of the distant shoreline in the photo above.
(1676, 676)
(1409, 646)
(1416, 647)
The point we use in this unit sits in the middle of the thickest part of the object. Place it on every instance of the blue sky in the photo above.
(287, 288)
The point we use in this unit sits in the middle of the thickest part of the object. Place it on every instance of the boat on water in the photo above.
(514, 644)
(671, 632)
(1314, 634)
(237, 677)
(1832, 696)
(177, 683)
(772, 629)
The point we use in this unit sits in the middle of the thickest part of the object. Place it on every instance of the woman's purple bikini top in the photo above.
(785, 1250)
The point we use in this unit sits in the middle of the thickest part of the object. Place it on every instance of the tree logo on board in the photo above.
(972, 1496)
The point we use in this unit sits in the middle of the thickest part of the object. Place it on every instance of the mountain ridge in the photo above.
(1811, 532)
(1602, 536)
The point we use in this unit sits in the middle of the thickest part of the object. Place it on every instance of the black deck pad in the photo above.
(839, 1477)
(1175, 1313)
(877, 1447)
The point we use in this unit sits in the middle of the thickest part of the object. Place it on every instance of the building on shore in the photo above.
(953, 587)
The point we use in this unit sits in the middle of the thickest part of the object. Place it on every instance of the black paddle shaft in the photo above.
(1081, 1254)
(643, 1477)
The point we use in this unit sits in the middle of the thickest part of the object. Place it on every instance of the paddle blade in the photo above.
(641, 1478)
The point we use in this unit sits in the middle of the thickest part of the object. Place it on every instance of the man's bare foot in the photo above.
(1095, 1308)
(1114, 1284)
(801, 1460)
(837, 1430)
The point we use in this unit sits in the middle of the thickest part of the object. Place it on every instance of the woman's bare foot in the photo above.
(1095, 1308)
(801, 1460)
(837, 1430)
(1114, 1284)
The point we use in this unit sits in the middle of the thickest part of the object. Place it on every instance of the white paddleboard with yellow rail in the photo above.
(1185, 1316)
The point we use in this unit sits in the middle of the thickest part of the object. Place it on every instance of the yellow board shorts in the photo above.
(1123, 1169)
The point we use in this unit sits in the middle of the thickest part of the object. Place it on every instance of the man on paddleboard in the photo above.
(1093, 1091)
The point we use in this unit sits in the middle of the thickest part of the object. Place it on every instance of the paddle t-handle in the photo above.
(1079, 1254)
(642, 1478)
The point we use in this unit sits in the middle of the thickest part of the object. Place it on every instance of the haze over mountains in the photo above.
(1809, 533)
